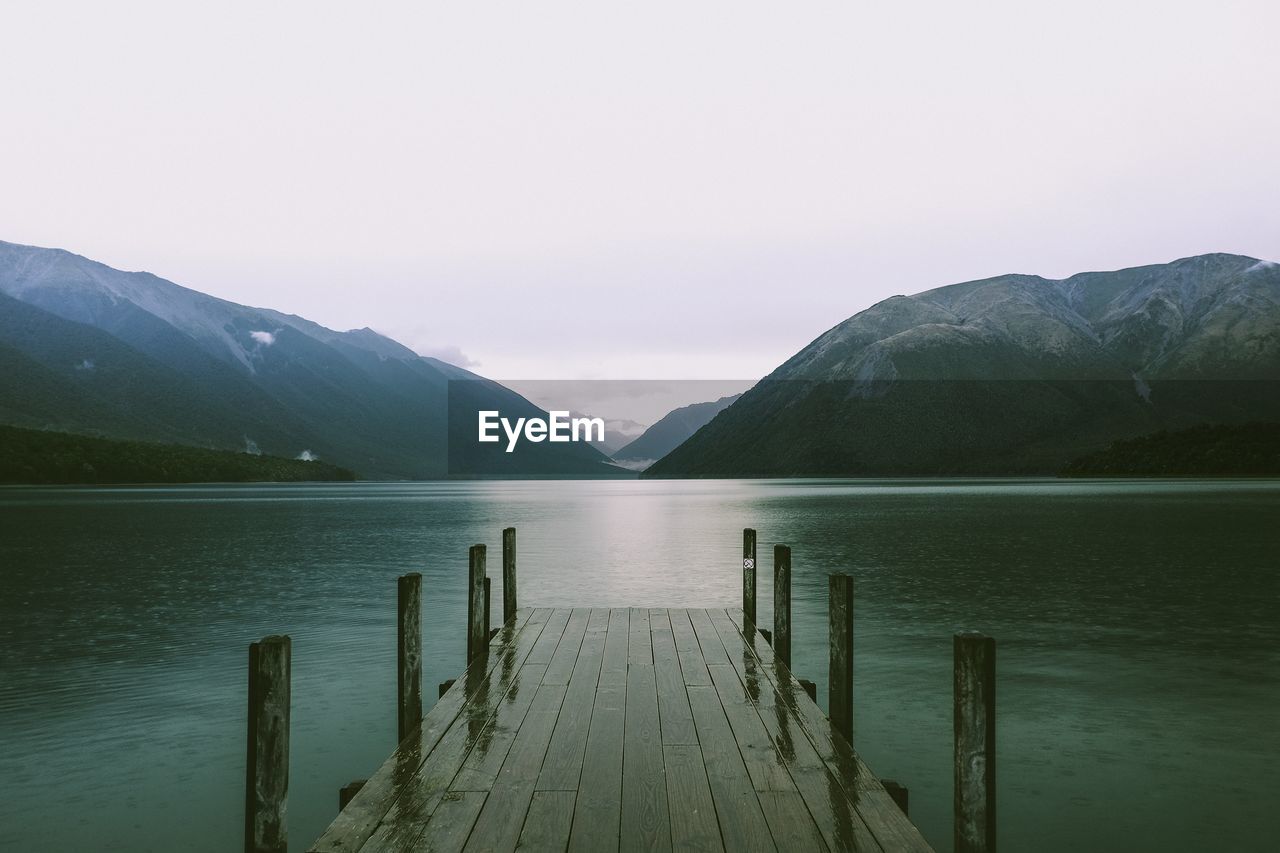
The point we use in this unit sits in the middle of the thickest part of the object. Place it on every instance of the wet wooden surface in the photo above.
(623, 729)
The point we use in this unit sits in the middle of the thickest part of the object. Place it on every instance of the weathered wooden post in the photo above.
(348, 792)
(408, 654)
(508, 574)
(782, 603)
(488, 599)
(266, 827)
(899, 794)
(975, 743)
(477, 640)
(840, 673)
(749, 579)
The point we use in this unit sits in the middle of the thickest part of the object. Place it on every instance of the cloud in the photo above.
(87, 364)
(450, 353)
(308, 456)
(264, 338)
(251, 447)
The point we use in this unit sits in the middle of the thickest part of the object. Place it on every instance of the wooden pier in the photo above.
(598, 729)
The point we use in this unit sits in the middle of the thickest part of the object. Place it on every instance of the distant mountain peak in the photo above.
(1006, 373)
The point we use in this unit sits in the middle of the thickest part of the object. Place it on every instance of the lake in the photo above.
(1137, 622)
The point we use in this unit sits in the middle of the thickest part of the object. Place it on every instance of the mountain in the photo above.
(128, 355)
(30, 456)
(1010, 375)
(1207, 450)
(670, 432)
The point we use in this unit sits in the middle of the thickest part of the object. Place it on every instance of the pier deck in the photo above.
(595, 729)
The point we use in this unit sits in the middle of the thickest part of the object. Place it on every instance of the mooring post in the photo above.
(266, 828)
(782, 604)
(488, 599)
(477, 639)
(975, 743)
(840, 673)
(408, 654)
(749, 579)
(348, 792)
(898, 793)
(508, 574)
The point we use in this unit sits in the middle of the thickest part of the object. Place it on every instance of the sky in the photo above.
(656, 190)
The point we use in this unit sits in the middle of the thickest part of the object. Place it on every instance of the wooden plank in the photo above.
(546, 826)
(876, 810)
(473, 735)
(692, 665)
(613, 671)
(742, 822)
(449, 826)
(646, 823)
(565, 657)
(712, 653)
(789, 819)
(639, 648)
(673, 702)
(395, 778)
(763, 762)
(490, 737)
(562, 767)
(693, 813)
(834, 815)
(550, 639)
(598, 810)
(501, 819)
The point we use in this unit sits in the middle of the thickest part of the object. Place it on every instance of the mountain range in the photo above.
(89, 349)
(672, 430)
(1016, 374)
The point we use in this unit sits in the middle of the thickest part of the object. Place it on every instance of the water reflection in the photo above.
(1138, 629)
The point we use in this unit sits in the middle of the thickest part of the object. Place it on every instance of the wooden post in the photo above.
(749, 578)
(408, 654)
(975, 743)
(266, 827)
(488, 599)
(348, 792)
(508, 574)
(898, 793)
(477, 642)
(782, 604)
(840, 673)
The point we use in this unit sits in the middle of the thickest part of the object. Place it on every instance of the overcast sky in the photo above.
(640, 190)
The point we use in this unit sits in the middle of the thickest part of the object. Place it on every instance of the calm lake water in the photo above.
(1138, 626)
